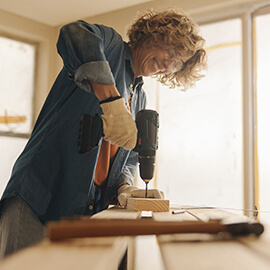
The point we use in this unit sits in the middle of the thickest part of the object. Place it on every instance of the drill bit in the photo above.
(146, 187)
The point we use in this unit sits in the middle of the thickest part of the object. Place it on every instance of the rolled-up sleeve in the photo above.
(129, 170)
(82, 47)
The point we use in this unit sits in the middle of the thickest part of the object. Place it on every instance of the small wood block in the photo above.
(148, 204)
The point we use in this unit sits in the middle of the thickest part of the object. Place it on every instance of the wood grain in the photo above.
(207, 254)
(204, 251)
(169, 216)
(207, 214)
(117, 213)
(144, 204)
(89, 253)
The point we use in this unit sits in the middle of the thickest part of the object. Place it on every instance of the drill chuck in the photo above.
(147, 167)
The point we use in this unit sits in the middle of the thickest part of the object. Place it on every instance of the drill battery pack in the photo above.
(90, 133)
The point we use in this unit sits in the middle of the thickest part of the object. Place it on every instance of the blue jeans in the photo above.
(19, 227)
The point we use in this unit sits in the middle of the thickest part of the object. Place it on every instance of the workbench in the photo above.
(178, 251)
(217, 252)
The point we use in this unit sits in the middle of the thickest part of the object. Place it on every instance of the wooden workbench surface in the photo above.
(80, 254)
(207, 252)
(179, 251)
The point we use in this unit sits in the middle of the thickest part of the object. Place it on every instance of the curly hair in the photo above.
(172, 30)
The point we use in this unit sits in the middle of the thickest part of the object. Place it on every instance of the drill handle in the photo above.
(147, 122)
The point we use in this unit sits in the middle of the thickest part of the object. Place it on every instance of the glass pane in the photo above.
(263, 112)
(200, 138)
(16, 85)
(10, 149)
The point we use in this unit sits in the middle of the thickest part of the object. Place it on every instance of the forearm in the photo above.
(104, 91)
(129, 170)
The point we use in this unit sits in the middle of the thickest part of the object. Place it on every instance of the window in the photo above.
(214, 138)
(16, 100)
(200, 136)
(17, 85)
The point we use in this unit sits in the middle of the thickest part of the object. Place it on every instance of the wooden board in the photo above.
(169, 216)
(261, 245)
(80, 254)
(202, 251)
(117, 213)
(200, 254)
(144, 204)
(207, 214)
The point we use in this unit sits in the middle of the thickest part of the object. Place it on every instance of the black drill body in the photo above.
(147, 121)
(147, 142)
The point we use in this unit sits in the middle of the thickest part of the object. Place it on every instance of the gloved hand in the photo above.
(118, 125)
(127, 191)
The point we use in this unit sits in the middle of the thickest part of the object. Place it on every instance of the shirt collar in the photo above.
(128, 57)
(129, 61)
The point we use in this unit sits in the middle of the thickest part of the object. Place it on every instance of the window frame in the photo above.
(262, 10)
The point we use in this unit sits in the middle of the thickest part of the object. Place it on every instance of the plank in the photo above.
(117, 213)
(259, 245)
(212, 251)
(169, 216)
(207, 214)
(79, 254)
(196, 254)
(148, 204)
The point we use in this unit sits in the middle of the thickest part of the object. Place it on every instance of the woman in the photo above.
(101, 75)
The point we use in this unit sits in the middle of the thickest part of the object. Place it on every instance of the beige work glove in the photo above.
(118, 125)
(127, 191)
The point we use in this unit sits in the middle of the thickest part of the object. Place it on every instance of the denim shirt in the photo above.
(49, 174)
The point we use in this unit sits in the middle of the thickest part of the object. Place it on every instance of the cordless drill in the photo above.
(147, 121)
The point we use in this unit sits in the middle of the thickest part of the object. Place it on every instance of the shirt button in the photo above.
(90, 207)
